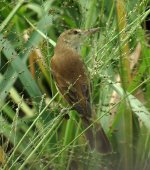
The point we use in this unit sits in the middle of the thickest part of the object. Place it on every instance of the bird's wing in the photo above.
(72, 82)
(76, 94)
(66, 89)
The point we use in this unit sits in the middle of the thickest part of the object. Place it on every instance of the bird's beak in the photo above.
(91, 31)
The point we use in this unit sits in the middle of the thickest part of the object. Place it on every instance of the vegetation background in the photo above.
(37, 128)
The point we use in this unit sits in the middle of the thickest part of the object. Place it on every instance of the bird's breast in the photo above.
(68, 65)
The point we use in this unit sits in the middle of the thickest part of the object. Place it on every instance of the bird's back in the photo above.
(70, 75)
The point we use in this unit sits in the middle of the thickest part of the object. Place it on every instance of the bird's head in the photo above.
(73, 37)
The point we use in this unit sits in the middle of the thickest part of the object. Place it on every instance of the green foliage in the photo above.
(37, 128)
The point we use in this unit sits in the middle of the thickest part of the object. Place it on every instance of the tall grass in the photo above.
(38, 130)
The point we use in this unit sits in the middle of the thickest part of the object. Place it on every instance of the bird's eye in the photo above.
(75, 32)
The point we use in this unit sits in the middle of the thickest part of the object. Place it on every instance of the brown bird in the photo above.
(72, 80)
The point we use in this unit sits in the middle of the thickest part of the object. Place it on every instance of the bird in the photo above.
(72, 79)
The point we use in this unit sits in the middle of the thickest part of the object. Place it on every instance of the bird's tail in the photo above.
(96, 137)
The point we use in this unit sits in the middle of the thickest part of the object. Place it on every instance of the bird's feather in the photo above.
(72, 80)
(74, 86)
